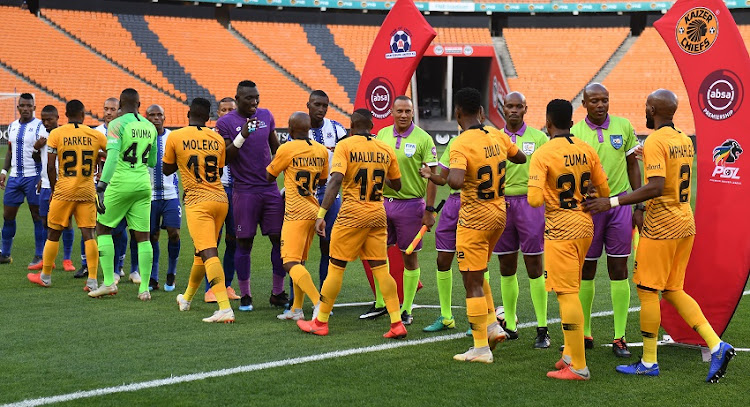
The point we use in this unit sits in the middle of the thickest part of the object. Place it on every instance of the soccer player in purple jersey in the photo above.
(251, 138)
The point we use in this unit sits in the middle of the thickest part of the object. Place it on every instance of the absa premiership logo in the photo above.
(720, 95)
(697, 30)
(379, 96)
(725, 158)
(400, 45)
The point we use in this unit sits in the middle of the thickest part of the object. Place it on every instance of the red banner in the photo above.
(402, 40)
(713, 61)
(498, 88)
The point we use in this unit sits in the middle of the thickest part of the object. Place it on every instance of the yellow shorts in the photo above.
(661, 264)
(474, 247)
(368, 243)
(296, 237)
(204, 221)
(59, 214)
(563, 263)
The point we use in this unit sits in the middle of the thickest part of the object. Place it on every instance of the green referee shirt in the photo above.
(528, 140)
(445, 161)
(613, 140)
(135, 138)
(412, 148)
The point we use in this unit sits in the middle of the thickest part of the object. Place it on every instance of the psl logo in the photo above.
(727, 153)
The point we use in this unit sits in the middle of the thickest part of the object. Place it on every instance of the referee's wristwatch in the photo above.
(640, 207)
(430, 209)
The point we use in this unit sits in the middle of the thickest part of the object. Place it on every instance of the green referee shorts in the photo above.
(134, 206)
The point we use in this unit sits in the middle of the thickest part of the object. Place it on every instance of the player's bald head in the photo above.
(594, 88)
(299, 125)
(515, 97)
(154, 109)
(361, 121)
(664, 102)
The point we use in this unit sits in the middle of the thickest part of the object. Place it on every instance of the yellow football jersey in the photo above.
(669, 153)
(77, 147)
(482, 153)
(304, 163)
(199, 153)
(564, 168)
(365, 163)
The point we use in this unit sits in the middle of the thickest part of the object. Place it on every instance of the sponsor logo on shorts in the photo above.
(380, 94)
(616, 141)
(720, 95)
(725, 158)
(400, 45)
(697, 30)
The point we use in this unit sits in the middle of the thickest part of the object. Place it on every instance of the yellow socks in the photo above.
(691, 312)
(650, 321)
(571, 314)
(299, 296)
(48, 256)
(490, 303)
(215, 274)
(92, 256)
(330, 290)
(197, 272)
(301, 278)
(476, 310)
(390, 291)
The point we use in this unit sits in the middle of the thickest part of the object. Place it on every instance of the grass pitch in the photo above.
(58, 341)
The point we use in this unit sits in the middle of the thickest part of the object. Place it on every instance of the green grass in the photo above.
(57, 340)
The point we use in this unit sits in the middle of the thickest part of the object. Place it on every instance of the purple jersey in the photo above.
(249, 170)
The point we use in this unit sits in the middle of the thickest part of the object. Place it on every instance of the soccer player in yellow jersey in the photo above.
(562, 174)
(477, 168)
(667, 237)
(361, 166)
(199, 153)
(73, 190)
(305, 166)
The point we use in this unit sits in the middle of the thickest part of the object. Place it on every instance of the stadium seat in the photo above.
(648, 65)
(13, 84)
(218, 60)
(289, 46)
(104, 33)
(549, 68)
(70, 70)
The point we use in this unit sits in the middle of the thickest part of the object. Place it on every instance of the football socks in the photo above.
(539, 299)
(303, 280)
(48, 256)
(476, 310)
(620, 292)
(509, 287)
(145, 261)
(650, 321)
(390, 291)
(445, 291)
(571, 315)
(411, 281)
(106, 258)
(330, 291)
(691, 312)
(215, 274)
(586, 295)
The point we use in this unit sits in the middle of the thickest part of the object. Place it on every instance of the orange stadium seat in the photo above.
(648, 65)
(355, 40)
(69, 69)
(288, 45)
(13, 84)
(218, 61)
(548, 68)
(103, 32)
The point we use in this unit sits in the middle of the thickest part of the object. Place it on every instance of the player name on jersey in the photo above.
(575, 159)
(76, 141)
(140, 133)
(681, 151)
(308, 161)
(493, 150)
(369, 157)
(209, 145)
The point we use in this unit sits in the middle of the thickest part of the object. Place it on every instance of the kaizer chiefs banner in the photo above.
(402, 40)
(713, 61)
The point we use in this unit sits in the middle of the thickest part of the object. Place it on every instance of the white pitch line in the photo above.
(362, 304)
(263, 366)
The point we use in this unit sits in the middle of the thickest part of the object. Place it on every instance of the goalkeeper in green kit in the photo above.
(124, 190)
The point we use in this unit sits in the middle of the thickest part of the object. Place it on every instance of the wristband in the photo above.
(4, 172)
(322, 212)
(238, 141)
(430, 209)
(640, 207)
(614, 201)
